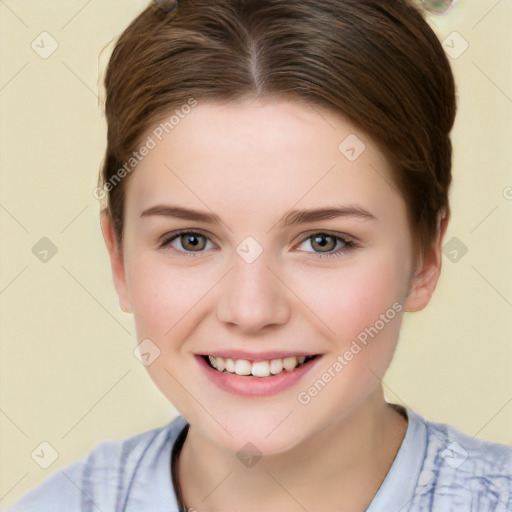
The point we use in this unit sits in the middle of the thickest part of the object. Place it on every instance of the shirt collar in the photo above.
(152, 484)
(399, 486)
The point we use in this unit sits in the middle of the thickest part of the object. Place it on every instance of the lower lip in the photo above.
(255, 386)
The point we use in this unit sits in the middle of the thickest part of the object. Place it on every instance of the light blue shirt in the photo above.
(437, 469)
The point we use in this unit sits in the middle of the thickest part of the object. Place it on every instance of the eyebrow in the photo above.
(291, 218)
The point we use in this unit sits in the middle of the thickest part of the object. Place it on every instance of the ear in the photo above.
(424, 280)
(116, 261)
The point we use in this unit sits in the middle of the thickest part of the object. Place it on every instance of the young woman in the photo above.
(277, 177)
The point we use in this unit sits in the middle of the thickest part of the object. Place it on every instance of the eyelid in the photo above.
(347, 242)
(334, 234)
(164, 241)
(167, 237)
(171, 235)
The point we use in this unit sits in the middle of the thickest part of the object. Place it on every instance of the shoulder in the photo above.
(105, 477)
(460, 469)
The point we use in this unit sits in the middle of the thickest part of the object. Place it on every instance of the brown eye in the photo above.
(323, 242)
(192, 241)
(187, 242)
(327, 245)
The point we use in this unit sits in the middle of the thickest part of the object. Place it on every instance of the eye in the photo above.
(187, 242)
(326, 245)
(191, 243)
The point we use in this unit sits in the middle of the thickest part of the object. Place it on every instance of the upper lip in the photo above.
(257, 356)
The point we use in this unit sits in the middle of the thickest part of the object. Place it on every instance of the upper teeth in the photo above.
(257, 368)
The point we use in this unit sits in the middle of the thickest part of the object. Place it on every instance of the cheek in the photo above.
(350, 299)
(361, 311)
(163, 296)
(167, 304)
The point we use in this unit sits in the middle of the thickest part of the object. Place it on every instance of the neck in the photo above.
(344, 464)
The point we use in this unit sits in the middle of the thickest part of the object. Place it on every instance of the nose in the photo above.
(252, 297)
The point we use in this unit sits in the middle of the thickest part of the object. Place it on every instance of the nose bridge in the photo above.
(252, 296)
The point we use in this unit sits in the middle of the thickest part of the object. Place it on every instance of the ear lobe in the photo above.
(116, 261)
(424, 281)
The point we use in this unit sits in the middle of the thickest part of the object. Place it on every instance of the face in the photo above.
(251, 235)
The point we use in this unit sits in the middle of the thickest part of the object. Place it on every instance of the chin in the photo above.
(260, 434)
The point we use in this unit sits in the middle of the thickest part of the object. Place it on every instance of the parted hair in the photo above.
(376, 62)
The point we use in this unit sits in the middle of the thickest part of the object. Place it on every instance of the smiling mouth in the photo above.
(265, 368)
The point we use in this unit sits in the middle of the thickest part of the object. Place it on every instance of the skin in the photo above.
(250, 163)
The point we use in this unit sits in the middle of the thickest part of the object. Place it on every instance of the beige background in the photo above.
(68, 374)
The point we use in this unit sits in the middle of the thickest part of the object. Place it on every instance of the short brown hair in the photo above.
(377, 62)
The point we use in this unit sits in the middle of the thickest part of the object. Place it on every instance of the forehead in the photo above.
(255, 155)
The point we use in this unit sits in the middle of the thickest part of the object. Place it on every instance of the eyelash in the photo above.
(348, 246)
